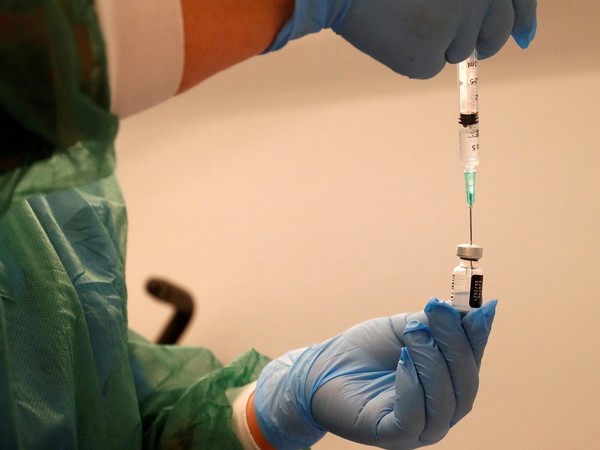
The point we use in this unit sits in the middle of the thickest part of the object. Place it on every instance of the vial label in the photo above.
(476, 291)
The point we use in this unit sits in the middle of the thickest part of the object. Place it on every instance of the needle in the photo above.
(471, 226)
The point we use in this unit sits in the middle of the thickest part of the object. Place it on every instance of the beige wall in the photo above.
(304, 191)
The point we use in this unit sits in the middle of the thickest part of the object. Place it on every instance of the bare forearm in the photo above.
(157, 48)
(222, 33)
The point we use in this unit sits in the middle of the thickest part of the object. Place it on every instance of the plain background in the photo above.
(304, 191)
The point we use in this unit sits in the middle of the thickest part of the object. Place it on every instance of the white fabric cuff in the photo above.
(145, 50)
(239, 420)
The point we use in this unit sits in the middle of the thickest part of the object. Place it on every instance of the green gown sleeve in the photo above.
(183, 394)
(71, 375)
(55, 126)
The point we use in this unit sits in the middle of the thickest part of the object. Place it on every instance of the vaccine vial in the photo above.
(467, 278)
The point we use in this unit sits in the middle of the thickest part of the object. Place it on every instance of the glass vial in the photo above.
(467, 278)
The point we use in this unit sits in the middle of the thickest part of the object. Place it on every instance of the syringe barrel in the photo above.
(467, 85)
(469, 146)
(469, 113)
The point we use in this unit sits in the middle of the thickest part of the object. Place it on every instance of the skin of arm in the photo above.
(222, 33)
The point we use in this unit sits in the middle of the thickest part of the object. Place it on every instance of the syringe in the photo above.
(469, 123)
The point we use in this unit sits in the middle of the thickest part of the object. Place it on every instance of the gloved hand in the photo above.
(398, 382)
(416, 37)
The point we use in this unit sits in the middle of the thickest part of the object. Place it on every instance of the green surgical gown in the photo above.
(71, 374)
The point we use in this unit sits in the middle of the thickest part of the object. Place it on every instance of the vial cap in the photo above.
(469, 252)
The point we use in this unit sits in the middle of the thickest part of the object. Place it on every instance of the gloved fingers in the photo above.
(408, 36)
(461, 48)
(373, 345)
(352, 405)
(467, 32)
(402, 427)
(435, 378)
(399, 322)
(478, 325)
(451, 339)
(525, 25)
(496, 28)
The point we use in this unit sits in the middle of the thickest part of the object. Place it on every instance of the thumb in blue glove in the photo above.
(398, 382)
(416, 37)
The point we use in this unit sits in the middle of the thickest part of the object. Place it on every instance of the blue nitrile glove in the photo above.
(399, 382)
(416, 37)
